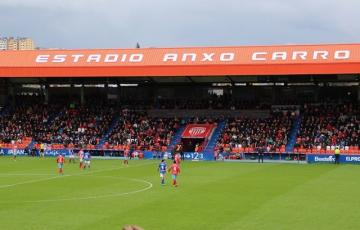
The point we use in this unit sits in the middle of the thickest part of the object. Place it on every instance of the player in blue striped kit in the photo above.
(87, 158)
(162, 169)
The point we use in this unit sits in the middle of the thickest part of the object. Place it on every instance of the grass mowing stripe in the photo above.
(211, 196)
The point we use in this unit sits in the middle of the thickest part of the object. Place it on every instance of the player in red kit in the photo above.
(175, 170)
(81, 158)
(60, 160)
(177, 158)
(14, 149)
(126, 156)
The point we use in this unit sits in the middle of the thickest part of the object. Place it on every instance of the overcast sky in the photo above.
(174, 23)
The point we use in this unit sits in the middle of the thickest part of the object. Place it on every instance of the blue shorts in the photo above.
(60, 165)
(174, 176)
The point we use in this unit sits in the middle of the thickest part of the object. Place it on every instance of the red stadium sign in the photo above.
(189, 61)
(197, 131)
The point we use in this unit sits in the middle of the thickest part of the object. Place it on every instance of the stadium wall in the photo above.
(310, 158)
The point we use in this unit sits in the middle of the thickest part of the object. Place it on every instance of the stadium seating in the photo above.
(82, 127)
(28, 119)
(137, 129)
(323, 126)
(326, 126)
(246, 134)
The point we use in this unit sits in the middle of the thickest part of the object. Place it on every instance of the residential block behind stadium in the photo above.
(280, 104)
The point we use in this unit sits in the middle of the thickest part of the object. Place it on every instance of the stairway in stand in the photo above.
(293, 135)
(176, 138)
(209, 149)
(108, 132)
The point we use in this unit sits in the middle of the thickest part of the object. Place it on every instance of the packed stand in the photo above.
(28, 118)
(248, 134)
(327, 126)
(136, 130)
(78, 127)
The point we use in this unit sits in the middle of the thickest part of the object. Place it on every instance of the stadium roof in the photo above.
(191, 61)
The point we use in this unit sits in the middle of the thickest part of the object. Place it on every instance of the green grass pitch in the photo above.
(211, 195)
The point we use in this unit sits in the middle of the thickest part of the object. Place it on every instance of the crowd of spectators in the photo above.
(135, 129)
(28, 118)
(325, 126)
(248, 134)
(78, 127)
(55, 124)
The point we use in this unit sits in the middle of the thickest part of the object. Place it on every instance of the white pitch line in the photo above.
(31, 181)
(25, 174)
(62, 176)
(112, 169)
(150, 185)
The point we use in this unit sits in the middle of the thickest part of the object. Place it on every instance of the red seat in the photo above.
(329, 151)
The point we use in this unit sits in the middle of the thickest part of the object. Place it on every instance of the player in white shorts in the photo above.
(87, 158)
(14, 152)
(71, 156)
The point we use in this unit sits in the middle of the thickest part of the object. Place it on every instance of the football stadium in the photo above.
(243, 137)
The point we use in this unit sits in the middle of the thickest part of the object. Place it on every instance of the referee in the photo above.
(261, 151)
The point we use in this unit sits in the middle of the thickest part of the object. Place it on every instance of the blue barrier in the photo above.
(207, 156)
(21, 152)
(10, 152)
(148, 155)
(311, 158)
(187, 155)
(327, 158)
